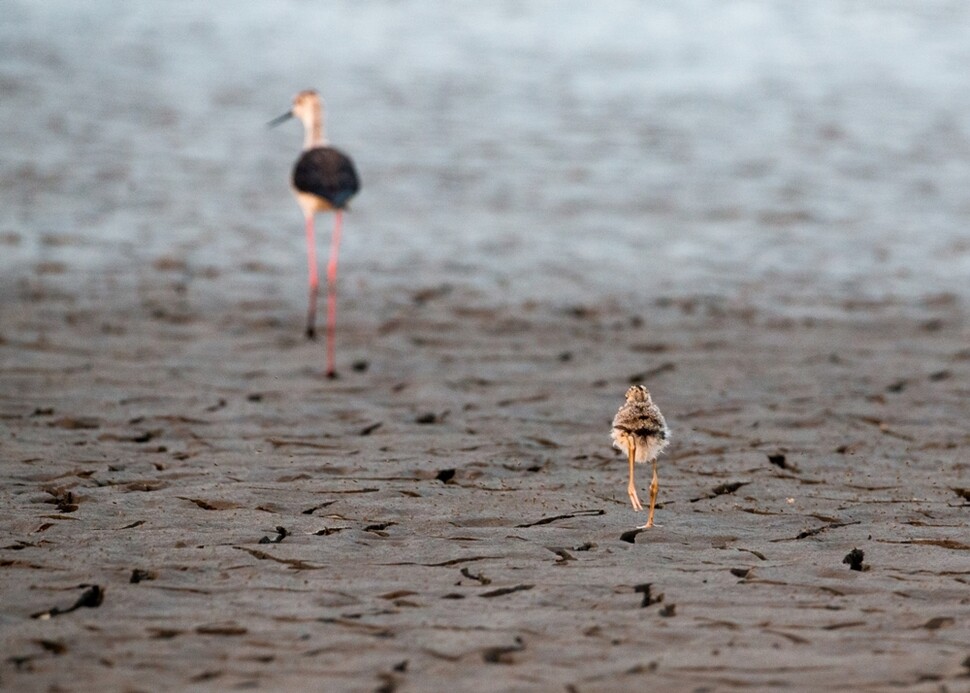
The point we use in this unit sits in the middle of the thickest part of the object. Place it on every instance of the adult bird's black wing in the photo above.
(328, 173)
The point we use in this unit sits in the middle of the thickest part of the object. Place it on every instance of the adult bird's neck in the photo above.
(313, 132)
(313, 137)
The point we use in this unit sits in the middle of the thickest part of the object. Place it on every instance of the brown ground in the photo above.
(452, 516)
(533, 236)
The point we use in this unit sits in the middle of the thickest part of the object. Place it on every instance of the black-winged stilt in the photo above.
(324, 179)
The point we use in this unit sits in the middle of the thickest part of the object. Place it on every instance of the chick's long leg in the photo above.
(654, 487)
(631, 488)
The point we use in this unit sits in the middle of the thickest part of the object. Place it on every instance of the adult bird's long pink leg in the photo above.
(654, 487)
(311, 256)
(332, 295)
(631, 488)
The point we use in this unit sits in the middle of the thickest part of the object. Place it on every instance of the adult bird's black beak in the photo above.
(281, 119)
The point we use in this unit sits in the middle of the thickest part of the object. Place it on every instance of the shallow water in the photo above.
(626, 148)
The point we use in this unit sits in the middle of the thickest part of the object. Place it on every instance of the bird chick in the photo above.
(639, 429)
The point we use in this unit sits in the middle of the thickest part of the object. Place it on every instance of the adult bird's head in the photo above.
(307, 108)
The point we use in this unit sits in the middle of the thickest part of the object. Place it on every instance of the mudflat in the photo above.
(452, 514)
(186, 502)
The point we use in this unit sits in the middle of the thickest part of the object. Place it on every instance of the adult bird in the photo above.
(324, 179)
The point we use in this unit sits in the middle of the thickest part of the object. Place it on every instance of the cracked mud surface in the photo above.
(186, 501)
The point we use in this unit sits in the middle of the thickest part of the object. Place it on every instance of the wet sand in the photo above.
(449, 514)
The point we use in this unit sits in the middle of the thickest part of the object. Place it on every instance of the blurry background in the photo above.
(800, 154)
